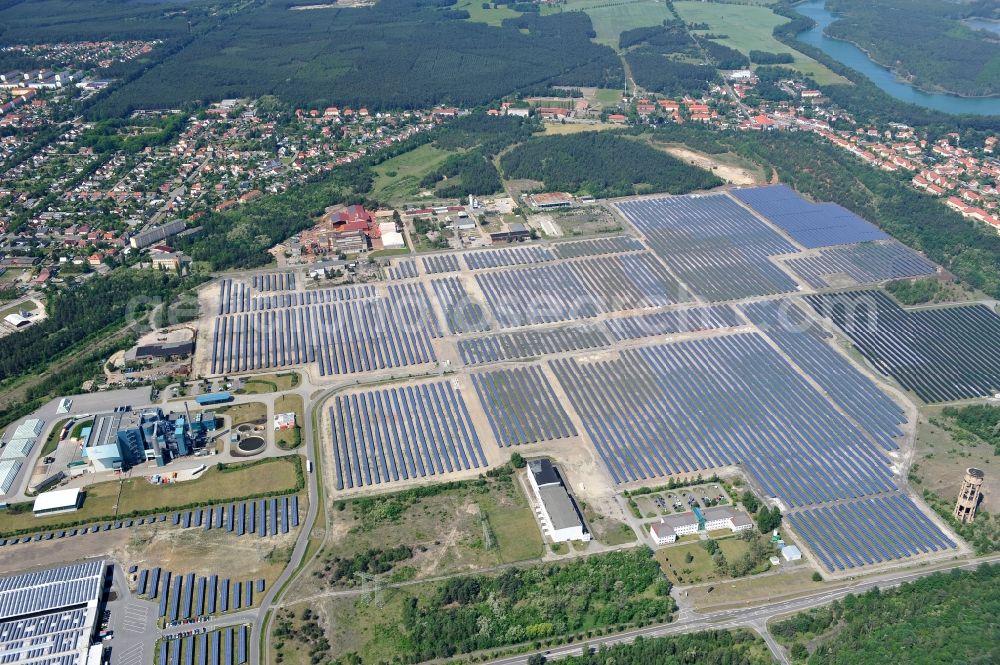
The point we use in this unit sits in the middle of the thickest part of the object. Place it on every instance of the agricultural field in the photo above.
(750, 28)
(558, 128)
(495, 15)
(611, 19)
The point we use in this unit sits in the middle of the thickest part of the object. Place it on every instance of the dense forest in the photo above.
(982, 420)
(924, 40)
(713, 647)
(603, 164)
(659, 59)
(394, 54)
(476, 612)
(942, 618)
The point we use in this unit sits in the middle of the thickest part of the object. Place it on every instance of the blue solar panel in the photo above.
(810, 224)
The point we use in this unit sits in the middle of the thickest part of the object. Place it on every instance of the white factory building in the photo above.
(672, 527)
(558, 513)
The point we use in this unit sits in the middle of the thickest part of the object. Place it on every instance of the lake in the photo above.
(856, 59)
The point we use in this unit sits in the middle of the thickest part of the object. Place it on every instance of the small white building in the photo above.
(284, 421)
(672, 527)
(791, 553)
(57, 501)
(391, 238)
(560, 518)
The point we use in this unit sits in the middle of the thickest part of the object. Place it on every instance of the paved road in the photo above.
(754, 618)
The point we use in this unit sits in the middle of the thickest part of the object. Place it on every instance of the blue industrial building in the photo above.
(123, 439)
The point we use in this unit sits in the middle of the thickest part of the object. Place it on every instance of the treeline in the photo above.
(669, 77)
(942, 618)
(85, 312)
(470, 173)
(475, 612)
(922, 40)
(603, 164)
(653, 67)
(713, 647)
(395, 54)
(767, 58)
(915, 291)
(982, 420)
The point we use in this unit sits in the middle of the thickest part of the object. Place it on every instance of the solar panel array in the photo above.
(181, 597)
(402, 269)
(343, 337)
(716, 247)
(461, 313)
(236, 297)
(51, 589)
(509, 256)
(866, 263)
(701, 404)
(440, 263)
(805, 343)
(394, 434)
(522, 344)
(47, 639)
(577, 289)
(9, 469)
(225, 646)
(521, 406)
(941, 354)
(868, 531)
(282, 281)
(691, 319)
(810, 224)
(597, 247)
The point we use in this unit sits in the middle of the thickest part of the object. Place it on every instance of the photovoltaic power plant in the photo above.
(806, 343)
(521, 406)
(866, 263)
(282, 281)
(394, 434)
(225, 646)
(941, 354)
(719, 249)
(236, 297)
(47, 617)
(868, 531)
(809, 224)
(691, 319)
(521, 344)
(182, 597)
(341, 336)
(402, 269)
(694, 405)
(509, 256)
(597, 247)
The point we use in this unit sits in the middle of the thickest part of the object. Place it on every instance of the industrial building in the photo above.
(57, 501)
(123, 439)
(549, 200)
(48, 617)
(561, 519)
(672, 527)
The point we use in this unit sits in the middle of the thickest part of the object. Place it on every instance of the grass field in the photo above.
(270, 383)
(608, 96)
(575, 127)
(26, 305)
(399, 178)
(610, 19)
(52, 442)
(272, 475)
(751, 28)
(252, 412)
(701, 568)
(493, 16)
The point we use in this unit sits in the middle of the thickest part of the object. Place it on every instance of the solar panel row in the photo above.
(521, 406)
(942, 354)
(282, 281)
(189, 596)
(522, 344)
(225, 646)
(701, 404)
(402, 269)
(440, 263)
(236, 297)
(716, 247)
(804, 342)
(461, 313)
(868, 531)
(44, 590)
(863, 264)
(691, 319)
(597, 247)
(393, 434)
(509, 256)
(810, 224)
